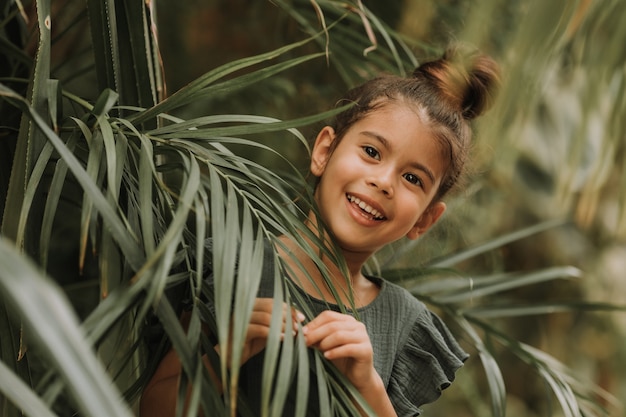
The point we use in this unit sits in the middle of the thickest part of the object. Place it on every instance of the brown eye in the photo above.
(413, 179)
(371, 152)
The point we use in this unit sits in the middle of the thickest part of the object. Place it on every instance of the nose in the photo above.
(383, 181)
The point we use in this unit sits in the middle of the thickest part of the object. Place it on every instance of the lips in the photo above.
(376, 215)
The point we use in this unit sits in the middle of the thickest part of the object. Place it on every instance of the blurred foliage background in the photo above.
(551, 152)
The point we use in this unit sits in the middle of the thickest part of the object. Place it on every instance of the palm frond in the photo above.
(49, 319)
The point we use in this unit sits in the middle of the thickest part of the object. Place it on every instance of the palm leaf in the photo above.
(99, 200)
(50, 320)
(19, 393)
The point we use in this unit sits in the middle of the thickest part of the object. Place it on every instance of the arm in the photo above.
(344, 341)
(160, 395)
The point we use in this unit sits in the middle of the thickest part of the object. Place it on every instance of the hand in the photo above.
(344, 341)
(259, 327)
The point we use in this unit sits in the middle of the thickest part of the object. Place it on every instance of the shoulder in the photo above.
(424, 324)
(401, 301)
(428, 355)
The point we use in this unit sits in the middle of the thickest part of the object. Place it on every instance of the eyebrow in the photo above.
(386, 144)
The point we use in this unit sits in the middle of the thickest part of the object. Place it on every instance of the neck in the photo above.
(354, 261)
(348, 280)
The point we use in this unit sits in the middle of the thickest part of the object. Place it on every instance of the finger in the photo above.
(257, 331)
(333, 337)
(332, 319)
(260, 318)
(263, 316)
(267, 305)
(264, 319)
(359, 352)
(327, 317)
(297, 316)
(328, 334)
(263, 304)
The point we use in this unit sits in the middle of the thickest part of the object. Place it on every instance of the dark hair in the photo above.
(448, 92)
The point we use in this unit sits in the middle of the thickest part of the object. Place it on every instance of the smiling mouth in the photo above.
(366, 208)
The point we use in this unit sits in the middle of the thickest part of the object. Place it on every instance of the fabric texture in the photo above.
(414, 352)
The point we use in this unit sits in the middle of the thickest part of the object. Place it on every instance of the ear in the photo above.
(321, 150)
(426, 220)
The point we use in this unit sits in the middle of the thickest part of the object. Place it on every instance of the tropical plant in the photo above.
(126, 183)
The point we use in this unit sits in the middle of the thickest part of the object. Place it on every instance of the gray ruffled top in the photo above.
(414, 352)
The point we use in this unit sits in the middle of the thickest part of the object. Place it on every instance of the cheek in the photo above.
(412, 209)
(321, 191)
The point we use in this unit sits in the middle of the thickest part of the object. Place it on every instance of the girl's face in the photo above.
(377, 184)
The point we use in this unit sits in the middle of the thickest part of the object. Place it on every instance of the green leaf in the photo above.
(19, 393)
(448, 261)
(182, 96)
(119, 231)
(507, 282)
(495, 379)
(495, 311)
(50, 320)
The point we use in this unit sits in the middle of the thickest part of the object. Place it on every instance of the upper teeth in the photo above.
(366, 207)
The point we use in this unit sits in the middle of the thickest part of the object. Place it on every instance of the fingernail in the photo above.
(300, 316)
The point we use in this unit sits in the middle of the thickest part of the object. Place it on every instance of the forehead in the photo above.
(405, 128)
(410, 117)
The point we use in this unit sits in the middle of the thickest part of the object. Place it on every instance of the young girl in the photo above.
(383, 167)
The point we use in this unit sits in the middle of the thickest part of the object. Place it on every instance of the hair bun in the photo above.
(465, 78)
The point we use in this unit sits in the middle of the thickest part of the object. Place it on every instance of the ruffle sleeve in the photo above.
(425, 365)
